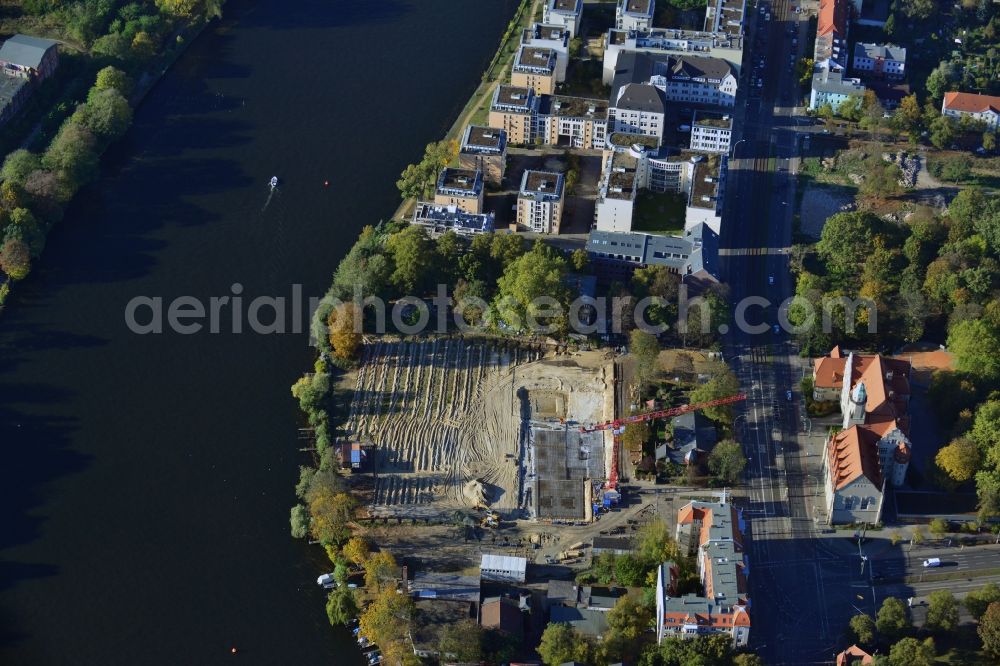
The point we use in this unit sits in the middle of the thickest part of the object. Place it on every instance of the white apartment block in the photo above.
(635, 14)
(540, 202)
(638, 109)
(881, 60)
(563, 13)
(552, 37)
(666, 41)
(711, 132)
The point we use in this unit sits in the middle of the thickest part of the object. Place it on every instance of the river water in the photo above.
(147, 479)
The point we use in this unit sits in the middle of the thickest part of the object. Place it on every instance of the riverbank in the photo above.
(48, 199)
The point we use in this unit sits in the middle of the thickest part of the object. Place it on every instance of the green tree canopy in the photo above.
(977, 601)
(561, 643)
(410, 250)
(863, 629)
(727, 461)
(525, 287)
(942, 612)
(18, 165)
(911, 652)
(989, 630)
(893, 619)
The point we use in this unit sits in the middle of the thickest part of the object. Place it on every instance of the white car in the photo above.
(770, 279)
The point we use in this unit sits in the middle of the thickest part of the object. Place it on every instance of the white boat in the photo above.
(326, 581)
(274, 182)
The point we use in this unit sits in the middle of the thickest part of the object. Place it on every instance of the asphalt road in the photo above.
(803, 588)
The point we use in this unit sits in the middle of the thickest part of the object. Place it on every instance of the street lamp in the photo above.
(732, 150)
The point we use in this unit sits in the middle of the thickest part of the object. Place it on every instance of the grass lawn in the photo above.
(659, 213)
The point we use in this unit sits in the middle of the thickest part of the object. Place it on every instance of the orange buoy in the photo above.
(326, 183)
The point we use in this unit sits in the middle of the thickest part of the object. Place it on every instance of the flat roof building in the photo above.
(711, 132)
(540, 201)
(462, 188)
(439, 219)
(484, 148)
(550, 37)
(535, 68)
(635, 14)
(563, 13)
(503, 568)
(514, 109)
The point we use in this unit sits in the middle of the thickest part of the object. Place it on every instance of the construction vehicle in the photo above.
(617, 427)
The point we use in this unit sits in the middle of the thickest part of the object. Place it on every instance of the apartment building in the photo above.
(574, 122)
(725, 16)
(637, 108)
(664, 41)
(563, 13)
(438, 220)
(985, 108)
(830, 50)
(635, 14)
(514, 110)
(713, 532)
(694, 256)
(711, 132)
(873, 448)
(879, 60)
(695, 79)
(540, 202)
(462, 188)
(630, 166)
(535, 68)
(833, 88)
(552, 37)
(485, 149)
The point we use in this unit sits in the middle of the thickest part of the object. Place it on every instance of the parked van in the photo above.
(932, 562)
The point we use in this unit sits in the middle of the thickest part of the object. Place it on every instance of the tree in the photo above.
(960, 459)
(646, 350)
(747, 659)
(18, 165)
(918, 9)
(178, 7)
(627, 622)
(863, 629)
(942, 612)
(341, 606)
(312, 390)
(24, 226)
(72, 152)
(655, 544)
(356, 550)
(561, 643)
(462, 641)
(911, 652)
(989, 141)
(580, 260)
(345, 338)
(846, 241)
(106, 114)
(727, 461)
(386, 622)
(410, 250)
(381, 571)
(942, 131)
(893, 620)
(977, 601)
(713, 650)
(630, 571)
(112, 78)
(938, 527)
(722, 384)
(908, 117)
(15, 258)
(329, 514)
(299, 522)
(974, 343)
(525, 287)
(989, 630)
(917, 537)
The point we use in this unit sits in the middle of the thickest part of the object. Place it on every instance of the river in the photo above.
(147, 479)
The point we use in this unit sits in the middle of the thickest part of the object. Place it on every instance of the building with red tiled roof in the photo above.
(985, 108)
(853, 656)
(713, 532)
(873, 448)
(831, 35)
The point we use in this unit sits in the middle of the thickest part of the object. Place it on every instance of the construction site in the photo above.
(450, 424)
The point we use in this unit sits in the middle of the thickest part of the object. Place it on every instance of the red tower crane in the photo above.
(617, 425)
